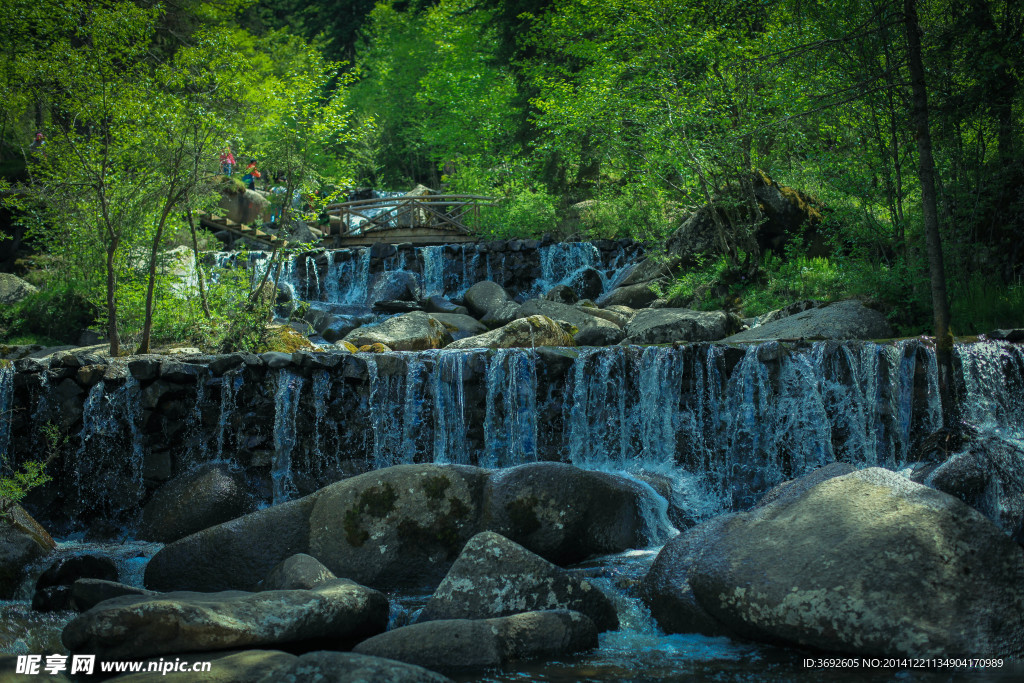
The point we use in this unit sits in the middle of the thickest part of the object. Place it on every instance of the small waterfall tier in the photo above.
(734, 419)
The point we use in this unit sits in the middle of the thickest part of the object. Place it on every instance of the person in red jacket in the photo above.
(227, 161)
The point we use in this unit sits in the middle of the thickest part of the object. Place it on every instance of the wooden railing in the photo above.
(458, 213)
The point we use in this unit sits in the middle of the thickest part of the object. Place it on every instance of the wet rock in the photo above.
(591, 330)
(276, 360)
(455, 645)
(460, 326)
(400, 526)
(197, 500)
(484, 297)
(565, 514)
(298, 571)
(397, 306)
(495, 577)
(840, 320)
(53, 587)
(536, 330)
(395, 285)
(502, 314)
(867, 563)
(587, 284)
(136, 627)
(409, 332)
(234, 555)
(23, 541)
(605, 314)
(439, 304)
(562, 294)
(87, 593)
(665, 325)
(634, 296)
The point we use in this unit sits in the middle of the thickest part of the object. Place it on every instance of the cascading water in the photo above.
(6, 403)
(286, 403)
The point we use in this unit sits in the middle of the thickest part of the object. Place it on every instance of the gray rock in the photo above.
(605, 314)
(633, 296)
(460, 326)
(484, 297)
(848, 319)
(415, 331)
(13, 289)
(868, 563)
(207, 496)
(276, 359)
(248, 207)
(234, 555)
(565, 514)
(502, 314)
(349, 667)
(439, 304)
(136, 627)
(87, 593)
(455, 645)
(298, 571)
(495, 577)
(536, 330)
(23, 541)
(594, 331)
(53, 587)
(664, 325)
(587, 284)
(399, 526)
(395, 285)
(562, 294)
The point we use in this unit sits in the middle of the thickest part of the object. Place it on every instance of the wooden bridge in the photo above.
(415, 218)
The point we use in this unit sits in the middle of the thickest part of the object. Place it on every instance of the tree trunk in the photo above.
(147, 326)
(115, 339)
(926, 171)
(199, 269)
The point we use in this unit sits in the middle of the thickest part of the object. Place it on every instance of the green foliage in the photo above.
(57, 312)
(982, 303)
(16, 484)
(526, 213)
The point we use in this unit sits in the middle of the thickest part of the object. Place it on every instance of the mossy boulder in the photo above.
(194, 501)
(400, 526)
(868, 563)
(536, 330)
(416, 331)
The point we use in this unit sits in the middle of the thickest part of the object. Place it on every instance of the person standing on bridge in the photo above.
(227, 161)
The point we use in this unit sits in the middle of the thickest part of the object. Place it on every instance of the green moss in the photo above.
(523, 516)
(444, 531)
(436, 486)
(376, 501)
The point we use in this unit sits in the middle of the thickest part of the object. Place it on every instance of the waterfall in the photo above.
(286, 403)
(231, 382)
(433, 270)
(6, 404)
(510, 424)
(448, 390)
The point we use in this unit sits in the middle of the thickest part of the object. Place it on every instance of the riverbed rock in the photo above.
(13, 289)
(457, 645)
(484, 297)
(606, 314)
(848, 319)
(53, 587)
(591, 330)
(665, 325)
(23, 541)
(562, 294)
(207, 496)
(300, 571)
(439, 304)
(136, 627)
(868, 563)
(566, 514)
(501, 315)
(496, 577)
(536, 330)
(87, 593)
(395, 285)
(399, 526)
(460, 325)
(234, 555)
(415, 331)
(635, 296)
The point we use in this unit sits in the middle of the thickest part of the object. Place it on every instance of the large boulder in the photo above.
(247, 207)
(460, 325)
(399, 526)
(664, 325)
(566, 514)
(637, 295)
(87, 593)
(234, 555)
(395, 285)
(207, 496)
(536, 330)
(496, 577)
(53, 587)
(22, 542)
(415, 331)
(454, 645)
(868, 563)
(848, 319)
(485, 297)
(13, 289)
(591, 330)
(275, 666)
(136, 627)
